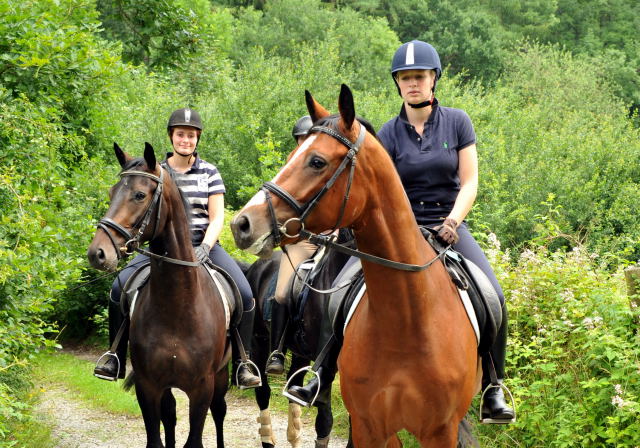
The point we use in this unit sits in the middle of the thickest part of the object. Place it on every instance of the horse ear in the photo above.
(346, 107)
(123, 157)
(149, 156)
(316, 111)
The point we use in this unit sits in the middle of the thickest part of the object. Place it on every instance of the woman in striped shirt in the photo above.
(202, 185)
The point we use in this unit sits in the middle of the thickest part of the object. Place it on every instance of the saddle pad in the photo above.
(227, 293)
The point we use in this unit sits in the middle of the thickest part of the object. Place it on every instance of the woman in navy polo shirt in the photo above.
(434, 150)
(202, 185)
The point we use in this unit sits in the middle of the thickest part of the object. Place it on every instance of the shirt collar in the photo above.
(434, 108)
(196, 163)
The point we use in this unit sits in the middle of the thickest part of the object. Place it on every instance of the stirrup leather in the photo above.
(497, 421)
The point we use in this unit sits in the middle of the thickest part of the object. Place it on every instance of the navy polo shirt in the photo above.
(428, 163)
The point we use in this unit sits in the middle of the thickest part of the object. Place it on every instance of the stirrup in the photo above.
(248, 362)
(285, 391)
(497, 421)
(103, 377)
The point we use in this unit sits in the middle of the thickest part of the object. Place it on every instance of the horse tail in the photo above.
(465, 435)
(129, 382)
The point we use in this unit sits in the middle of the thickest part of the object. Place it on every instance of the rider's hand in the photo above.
(202, 253)
(447, 231)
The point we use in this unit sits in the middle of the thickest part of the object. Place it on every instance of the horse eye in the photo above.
(139, 196)
(317, 163)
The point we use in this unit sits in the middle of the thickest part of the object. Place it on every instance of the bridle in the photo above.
(133, 241)
(303, 210)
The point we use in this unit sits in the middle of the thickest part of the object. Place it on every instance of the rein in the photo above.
(133, 242)
(327, 241)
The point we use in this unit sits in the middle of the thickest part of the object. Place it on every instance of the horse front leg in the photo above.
(219, 404)
(324, 423)
(168, 418)
(364, 436)
(200, 399)
(149, 402)
(294, 424)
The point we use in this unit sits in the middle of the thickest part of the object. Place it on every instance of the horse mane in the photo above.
(135, 163)
(332, 122)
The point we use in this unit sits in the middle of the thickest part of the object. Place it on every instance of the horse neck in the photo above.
(388, 229)
(173, 241)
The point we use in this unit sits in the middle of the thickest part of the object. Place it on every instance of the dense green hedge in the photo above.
(558, 157)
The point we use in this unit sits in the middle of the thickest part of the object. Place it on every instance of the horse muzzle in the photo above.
(252, 234)
(102, 255)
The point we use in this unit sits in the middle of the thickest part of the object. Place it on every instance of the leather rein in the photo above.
(303, 210)
(133, 241)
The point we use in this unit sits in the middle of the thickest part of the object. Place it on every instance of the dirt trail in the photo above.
(76, 427)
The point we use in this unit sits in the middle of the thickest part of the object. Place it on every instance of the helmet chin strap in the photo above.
(421, 105)
(425, 103)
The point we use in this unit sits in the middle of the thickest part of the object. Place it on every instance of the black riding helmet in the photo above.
(416, 55)
(184, 117)
(301, 127)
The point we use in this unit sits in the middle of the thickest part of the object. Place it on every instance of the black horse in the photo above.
(301, 339)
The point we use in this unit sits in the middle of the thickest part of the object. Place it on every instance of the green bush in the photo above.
(572, 361)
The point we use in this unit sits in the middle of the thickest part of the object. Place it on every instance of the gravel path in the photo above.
(75, 427)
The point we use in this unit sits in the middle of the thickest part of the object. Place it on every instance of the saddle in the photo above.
(229, 292)
(476, 292)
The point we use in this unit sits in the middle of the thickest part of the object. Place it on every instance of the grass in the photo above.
(77, 376)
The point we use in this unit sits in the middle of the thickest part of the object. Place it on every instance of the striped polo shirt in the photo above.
(201, 181)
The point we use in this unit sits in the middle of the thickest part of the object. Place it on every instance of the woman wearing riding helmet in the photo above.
(203, 188)
(434, 150)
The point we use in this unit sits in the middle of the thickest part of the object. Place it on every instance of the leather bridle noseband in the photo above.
(303, 210)
(133, 241)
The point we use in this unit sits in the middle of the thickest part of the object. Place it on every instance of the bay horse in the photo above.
(301, 339)
(178, 332)
(409, 358)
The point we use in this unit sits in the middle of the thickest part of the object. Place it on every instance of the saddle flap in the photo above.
(229, 293)
(129, 293)
(341, 302)
(483, 296)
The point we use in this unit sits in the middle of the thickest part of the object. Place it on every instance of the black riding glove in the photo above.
(202, 253)
(447, 231)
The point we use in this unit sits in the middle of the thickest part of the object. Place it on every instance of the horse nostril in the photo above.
(244, 225)
(101, 256)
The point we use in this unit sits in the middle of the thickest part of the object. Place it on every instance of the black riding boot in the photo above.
(279, 321)
(494, 406)
(246, 378)
(107, 366)
(320, 384)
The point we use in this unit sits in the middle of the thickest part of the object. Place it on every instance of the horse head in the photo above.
(318, 189)
(134, 201)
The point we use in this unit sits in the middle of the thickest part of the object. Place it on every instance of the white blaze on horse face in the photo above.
(257, 199)
(301, 150)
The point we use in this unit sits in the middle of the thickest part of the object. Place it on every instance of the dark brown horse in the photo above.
(409, 359)
(178, 331)
(301, 339)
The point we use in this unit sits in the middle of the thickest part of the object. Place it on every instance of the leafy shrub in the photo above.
(572, 360)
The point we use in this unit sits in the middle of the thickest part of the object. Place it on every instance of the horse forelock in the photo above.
(332, 122)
